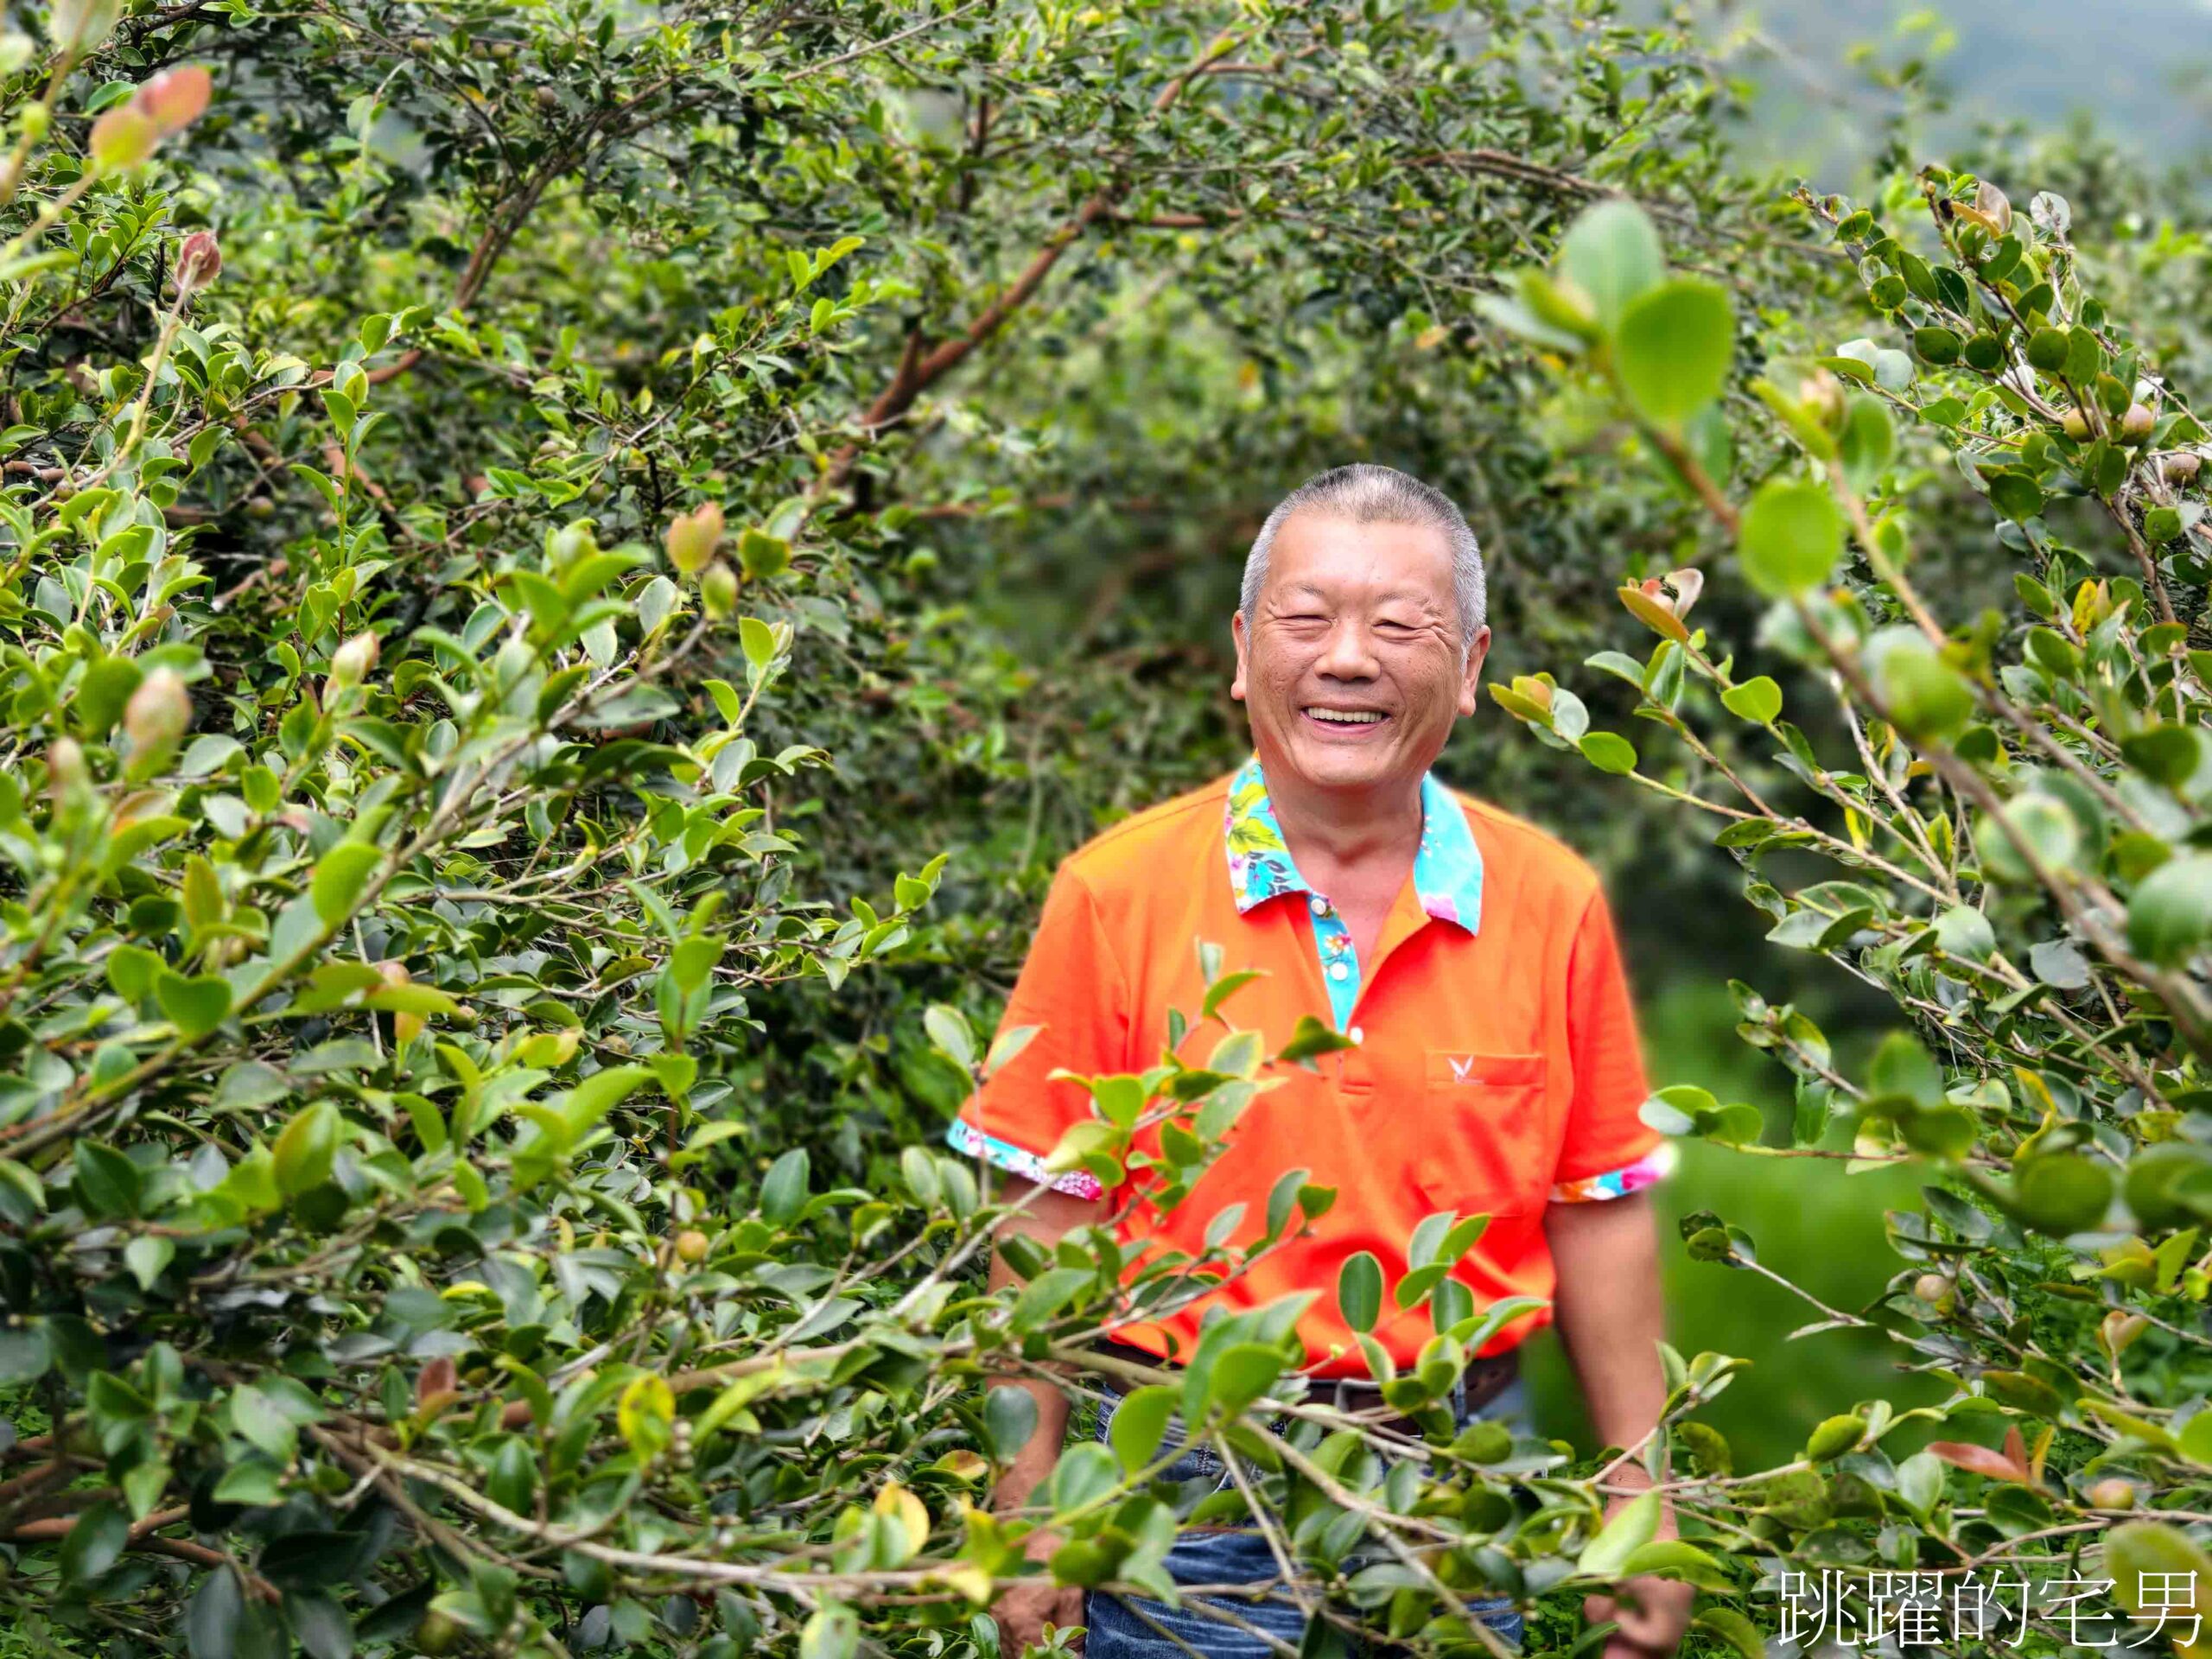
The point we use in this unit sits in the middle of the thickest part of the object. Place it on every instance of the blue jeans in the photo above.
(1123, 1627)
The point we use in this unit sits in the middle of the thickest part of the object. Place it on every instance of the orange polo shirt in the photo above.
(1495, 1067)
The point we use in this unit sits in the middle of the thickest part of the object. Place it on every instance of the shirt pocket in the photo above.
(1483, 1140)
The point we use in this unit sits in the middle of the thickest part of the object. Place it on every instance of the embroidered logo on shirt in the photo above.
(1460, 1068)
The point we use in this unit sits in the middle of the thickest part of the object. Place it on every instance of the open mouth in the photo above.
(1346, 720)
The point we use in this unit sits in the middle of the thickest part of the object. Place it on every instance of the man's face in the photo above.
(1350, 667)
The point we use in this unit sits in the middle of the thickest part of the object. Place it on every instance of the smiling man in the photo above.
(1469, 958)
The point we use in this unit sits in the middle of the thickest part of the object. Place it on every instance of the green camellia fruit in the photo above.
(693, 537)
(718, 590)
(2135, 425)
(1926, 698)
(2153, 1176)
(122, 138)
(158, 714)
(2053, 835)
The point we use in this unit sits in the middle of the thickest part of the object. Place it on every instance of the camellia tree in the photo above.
(1998, 818)
(444, 548)
(454, 522)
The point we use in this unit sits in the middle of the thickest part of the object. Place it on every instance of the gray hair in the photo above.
(1367, 494)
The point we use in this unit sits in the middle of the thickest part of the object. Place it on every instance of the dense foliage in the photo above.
(565, 571)
(2003, 831)
(468, 648)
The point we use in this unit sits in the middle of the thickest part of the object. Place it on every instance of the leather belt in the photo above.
(1485, 1377)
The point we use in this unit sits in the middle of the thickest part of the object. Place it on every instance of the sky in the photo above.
(2140, 67)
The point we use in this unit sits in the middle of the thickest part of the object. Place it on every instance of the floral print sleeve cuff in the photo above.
(1647, 1171)
(965, 1138)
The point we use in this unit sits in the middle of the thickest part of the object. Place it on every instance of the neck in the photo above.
(1345, 826)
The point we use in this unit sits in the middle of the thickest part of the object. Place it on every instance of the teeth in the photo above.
(1347, 716)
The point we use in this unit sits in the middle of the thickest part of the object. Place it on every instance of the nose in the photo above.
(1349, 652)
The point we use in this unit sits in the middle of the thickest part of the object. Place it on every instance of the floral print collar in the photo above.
(1447, 868)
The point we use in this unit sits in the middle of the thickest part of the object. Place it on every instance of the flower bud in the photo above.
(157, 716)
(1822, 393)
(199, 262)
(122, 138)
(405, 1026)
(718, 590)
(66, 772)
(564, 546)
(1688, 585)
(1994, 206)
(352, 661)
(173, 98)
(693, 538)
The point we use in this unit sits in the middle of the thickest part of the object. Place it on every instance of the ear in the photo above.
(1472, 675)
(1244, 655)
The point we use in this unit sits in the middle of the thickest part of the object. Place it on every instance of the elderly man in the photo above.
(1468, 957)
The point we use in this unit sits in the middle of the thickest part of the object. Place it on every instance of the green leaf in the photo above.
(585, 1106)
(1672, 349)
(758, 641)
(784, 1188)
(194, 1006)
(1611, 252)
(1833, 1437)
(2169, 914)
(146, 1256)
(95, 1543)
(1359, 1290)
(1788, 537)
(834, 1632)
(1964, 931)
(2140, 1550)
(1755, 700)
(1608, 751)
(1867, 443)
(948, 1030)
(340, 877)
(307, 1149)
(1632, 1526)
(1242, 1374)
(1140, 1424)
(1732, 1628)
(2016, 495)
(107, 1183)
(1010, 1420)
(211, 1623)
